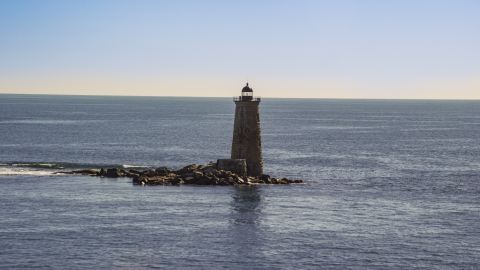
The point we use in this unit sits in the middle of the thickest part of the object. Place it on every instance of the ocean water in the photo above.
(390, 184)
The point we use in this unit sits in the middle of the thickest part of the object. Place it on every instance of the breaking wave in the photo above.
(45, 168)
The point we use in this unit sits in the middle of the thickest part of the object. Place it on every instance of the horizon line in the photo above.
(106, 95)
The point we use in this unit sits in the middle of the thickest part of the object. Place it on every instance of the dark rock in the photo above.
(163, 168)
(200, 181)
(114, 173)
(152, 172)
(197, 173)
(238, 180)
(154, 182)
(189, 180)
(186, 169)
(177, 181)
(222, 182)
(129, 174)
(210, 168)
(135, 172)
(162, 171)
(265, 177)
(230, 180)
(190, 168)
(256, 181)
(208, 181)
(94, 172)
(139, 180)
(288, 180)
(86, 172)
(187, 174)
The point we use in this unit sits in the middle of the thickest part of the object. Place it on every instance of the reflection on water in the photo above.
(246, 205)
(245, 233)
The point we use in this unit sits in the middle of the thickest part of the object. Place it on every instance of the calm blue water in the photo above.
(390, 185)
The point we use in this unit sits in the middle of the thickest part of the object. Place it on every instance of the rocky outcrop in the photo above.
(189, 175)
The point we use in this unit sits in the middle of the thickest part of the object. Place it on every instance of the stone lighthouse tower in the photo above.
(247, 140)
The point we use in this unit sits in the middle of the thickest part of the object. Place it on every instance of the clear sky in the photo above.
(301, 48)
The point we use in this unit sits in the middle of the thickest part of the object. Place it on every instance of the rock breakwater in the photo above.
(189, 175)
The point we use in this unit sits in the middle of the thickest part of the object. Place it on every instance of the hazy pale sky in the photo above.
(317, 49)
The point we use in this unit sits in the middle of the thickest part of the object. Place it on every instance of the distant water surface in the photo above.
(390, 184)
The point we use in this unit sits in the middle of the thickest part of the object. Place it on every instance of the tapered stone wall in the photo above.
(247, 140)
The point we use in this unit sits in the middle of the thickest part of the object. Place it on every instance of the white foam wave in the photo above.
(22, 171)
(30, 164)
(36, 165)
(125, 166)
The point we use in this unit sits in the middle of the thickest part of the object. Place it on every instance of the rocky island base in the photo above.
(188, 175)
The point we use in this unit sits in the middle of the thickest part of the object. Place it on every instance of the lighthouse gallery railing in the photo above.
(239, 98)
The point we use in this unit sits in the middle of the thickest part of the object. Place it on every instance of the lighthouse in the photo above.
(247, 139)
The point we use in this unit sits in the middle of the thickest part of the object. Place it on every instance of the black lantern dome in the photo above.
(247, 93)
